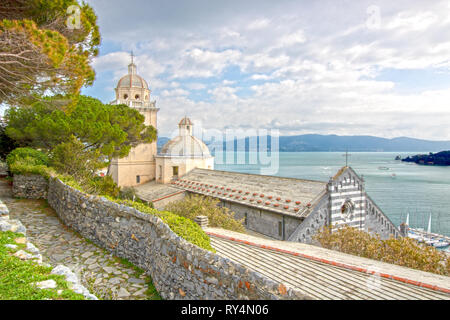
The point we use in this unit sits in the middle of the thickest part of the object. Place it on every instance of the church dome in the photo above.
(132, 81)
(185, 146)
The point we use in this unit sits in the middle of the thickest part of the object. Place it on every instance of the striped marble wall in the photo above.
(347, 201)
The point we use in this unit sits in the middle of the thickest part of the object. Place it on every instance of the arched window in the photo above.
(137, 97)
(125, 96)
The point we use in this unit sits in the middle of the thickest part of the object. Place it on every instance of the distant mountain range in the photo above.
(316, 142)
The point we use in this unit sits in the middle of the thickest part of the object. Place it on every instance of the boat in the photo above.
(420, 235)
(383, 168)
(441, 244)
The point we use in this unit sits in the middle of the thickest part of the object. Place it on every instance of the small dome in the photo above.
(185, 146)
(185, 122)
(132, 81)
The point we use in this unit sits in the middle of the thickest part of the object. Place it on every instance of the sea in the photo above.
(398, 188)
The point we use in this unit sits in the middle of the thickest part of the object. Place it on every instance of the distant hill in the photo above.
(432, 159)
(316, 142)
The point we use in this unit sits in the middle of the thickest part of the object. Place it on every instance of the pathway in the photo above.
(318, 280)
(106, 276)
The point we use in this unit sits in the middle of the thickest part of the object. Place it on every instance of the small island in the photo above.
(432, 159)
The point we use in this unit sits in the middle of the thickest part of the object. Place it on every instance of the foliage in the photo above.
(6, 143)
(27, 155)
(70, 158)
(17, 276)
(438, 159)
(185, 228)
(41, 53)
(129, 193)
(192, 206)
(28, 161)
(93, 133)
(403, 251)
(26, 169)
(102, 186)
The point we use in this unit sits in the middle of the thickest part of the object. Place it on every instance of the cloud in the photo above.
(298, 66)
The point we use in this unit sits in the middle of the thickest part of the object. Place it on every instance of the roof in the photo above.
(132, 80)
(185, 146)
(290, 196)
(185, 121)
(153, 191)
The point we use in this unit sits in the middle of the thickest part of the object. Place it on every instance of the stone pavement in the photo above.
(106, 276)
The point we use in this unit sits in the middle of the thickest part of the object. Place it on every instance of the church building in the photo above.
(276, 207)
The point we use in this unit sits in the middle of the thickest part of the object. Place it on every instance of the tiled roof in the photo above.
(288, 196)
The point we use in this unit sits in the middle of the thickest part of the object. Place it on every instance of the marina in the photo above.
(438, 241)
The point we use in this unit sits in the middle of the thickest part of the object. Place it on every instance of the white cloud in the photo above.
(259, 24)
(298, 66)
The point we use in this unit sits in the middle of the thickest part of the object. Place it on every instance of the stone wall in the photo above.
(179, 269)
(30, 186)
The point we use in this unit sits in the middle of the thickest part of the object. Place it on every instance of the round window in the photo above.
(347, 210)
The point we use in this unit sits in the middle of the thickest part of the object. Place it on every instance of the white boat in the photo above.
(441, 244)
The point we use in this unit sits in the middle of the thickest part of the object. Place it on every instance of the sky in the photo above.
(340, 67)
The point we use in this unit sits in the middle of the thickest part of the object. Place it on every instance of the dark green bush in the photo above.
(27, 156)
(28, 161)
(104, 186)
(193, 206)
(185, 228)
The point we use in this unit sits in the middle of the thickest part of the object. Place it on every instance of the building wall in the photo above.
(164, 166)
(144, 94)
(268, 223)
(348, 187)
(140, 161)
(316, 220)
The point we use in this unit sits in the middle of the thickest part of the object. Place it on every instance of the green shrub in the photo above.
(27, 156)
(27, 169)
(183, 227)
(402, 251)
(103, 186)
(72, 158)
(70, 181)
(193, 206)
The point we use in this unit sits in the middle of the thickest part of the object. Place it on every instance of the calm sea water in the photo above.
(417, 190)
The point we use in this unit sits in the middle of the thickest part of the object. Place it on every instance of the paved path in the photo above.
(103, 274)
(320, 280)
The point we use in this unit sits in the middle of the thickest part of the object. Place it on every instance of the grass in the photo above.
(152, 293)
(17, 276)
(183, 227)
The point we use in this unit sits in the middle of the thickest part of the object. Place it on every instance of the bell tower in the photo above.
(139, 166)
